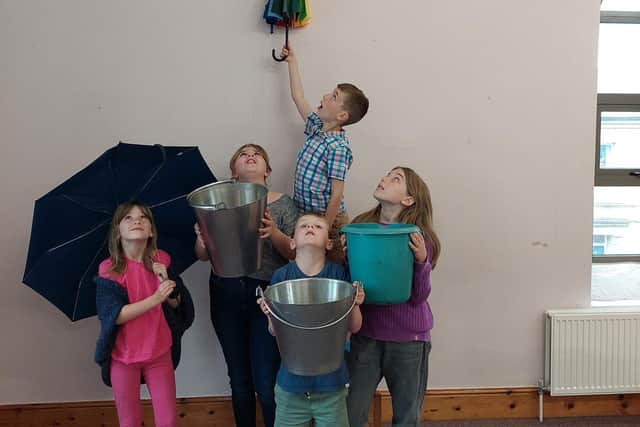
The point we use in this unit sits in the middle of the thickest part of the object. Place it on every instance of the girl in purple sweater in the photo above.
(395, 340)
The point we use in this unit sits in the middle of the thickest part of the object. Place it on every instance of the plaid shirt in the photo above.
(323, 157)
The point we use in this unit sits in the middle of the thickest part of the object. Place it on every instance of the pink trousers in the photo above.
(161, 383)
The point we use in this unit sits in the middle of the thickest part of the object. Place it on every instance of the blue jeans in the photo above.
(404, 365)
(249, 349)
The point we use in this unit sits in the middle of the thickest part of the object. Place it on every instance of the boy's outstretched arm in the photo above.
(295, 82)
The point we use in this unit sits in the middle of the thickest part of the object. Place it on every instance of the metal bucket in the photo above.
(310, 320)
(229, 214)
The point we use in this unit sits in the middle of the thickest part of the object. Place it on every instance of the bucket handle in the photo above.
(220, 205)
(306, 328)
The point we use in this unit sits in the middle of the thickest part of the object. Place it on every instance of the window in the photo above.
(616, 209)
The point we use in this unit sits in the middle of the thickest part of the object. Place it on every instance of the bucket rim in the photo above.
(219, 183)
(329, 324)
(373, 228)
(307, 279)
(268, 302)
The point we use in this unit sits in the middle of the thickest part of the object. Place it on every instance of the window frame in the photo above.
(615, 102)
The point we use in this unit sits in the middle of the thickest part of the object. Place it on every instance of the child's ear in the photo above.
(292, 244)
(343, 116)
(329, 244)
(408, 201)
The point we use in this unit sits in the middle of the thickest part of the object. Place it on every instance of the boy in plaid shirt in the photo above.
(325, 157)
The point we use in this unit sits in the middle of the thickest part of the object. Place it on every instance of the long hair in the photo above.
(420, 213)
(116, 253)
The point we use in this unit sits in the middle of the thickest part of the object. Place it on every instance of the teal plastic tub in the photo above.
(380, 257)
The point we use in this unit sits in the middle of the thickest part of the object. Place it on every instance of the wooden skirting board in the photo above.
(442, 404)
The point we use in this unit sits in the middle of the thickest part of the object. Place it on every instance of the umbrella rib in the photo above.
(155, 172)
(75, 305)
(68, 242)
(72, 200)
(168, 201)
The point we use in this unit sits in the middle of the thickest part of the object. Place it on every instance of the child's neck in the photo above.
(332, 126)
(134, 249)
(252, 179)
(310, 260)
(390, 212)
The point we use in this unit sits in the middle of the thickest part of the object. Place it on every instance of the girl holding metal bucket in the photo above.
(395, 339)
(249, 350)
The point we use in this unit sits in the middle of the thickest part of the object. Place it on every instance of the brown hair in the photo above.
(355, 103)
(256, 147)
(420, 213)
(116, 253)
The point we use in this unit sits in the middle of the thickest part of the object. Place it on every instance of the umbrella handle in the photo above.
(286, 41)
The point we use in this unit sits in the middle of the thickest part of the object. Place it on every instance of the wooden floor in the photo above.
(493, 407)
(619, 421)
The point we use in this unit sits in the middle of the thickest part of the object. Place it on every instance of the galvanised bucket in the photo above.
(229, 214)
(310, 320)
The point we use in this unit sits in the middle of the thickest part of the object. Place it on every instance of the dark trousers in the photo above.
(249, 349)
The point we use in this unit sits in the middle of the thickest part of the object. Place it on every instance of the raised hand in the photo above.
(263, 306)
(267, 229)
(164, 290)
(199, 238)
(359, 292)
(160, 270)
(418, 247)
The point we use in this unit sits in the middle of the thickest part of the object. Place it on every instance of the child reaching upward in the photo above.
(322, 398)
(395, 340)
(325, 157)
(143, 314)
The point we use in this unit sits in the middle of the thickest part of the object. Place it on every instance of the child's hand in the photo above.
(418, 247)
(164, 290)
(359, 292)
(263, 306)
(160, 270)
(343, 242)
(199, 238)
(288, 53)
(268, 226)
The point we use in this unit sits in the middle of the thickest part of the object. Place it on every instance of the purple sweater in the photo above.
(409, 321)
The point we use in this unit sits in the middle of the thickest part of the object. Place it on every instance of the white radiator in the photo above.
(592, 351)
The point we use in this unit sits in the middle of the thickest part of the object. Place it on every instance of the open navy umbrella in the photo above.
(69, 234)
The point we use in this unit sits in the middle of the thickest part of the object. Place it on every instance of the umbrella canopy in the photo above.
(286, 13)
(297, 11)
(69, 234)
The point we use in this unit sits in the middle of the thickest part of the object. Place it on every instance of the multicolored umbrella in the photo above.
(286, 13)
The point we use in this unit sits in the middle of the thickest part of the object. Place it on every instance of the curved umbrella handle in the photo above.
(286, 41)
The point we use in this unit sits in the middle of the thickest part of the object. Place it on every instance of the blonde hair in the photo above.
(312, 214)
(256, 147)
(420, 213)
(116, 253)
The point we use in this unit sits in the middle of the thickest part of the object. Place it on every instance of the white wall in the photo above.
(492, 102)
